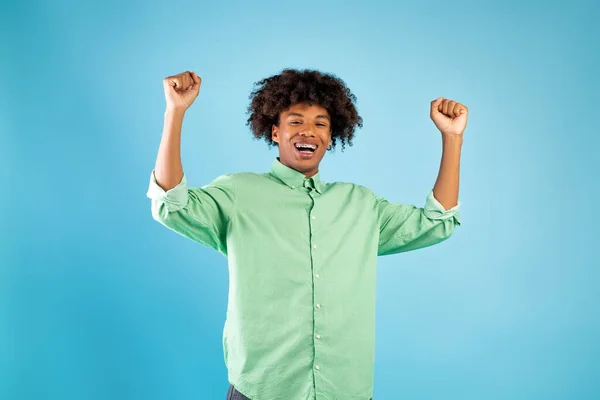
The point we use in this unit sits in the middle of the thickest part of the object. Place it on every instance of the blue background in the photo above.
(99, 301)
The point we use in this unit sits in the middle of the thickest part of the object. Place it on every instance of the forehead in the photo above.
(306, 109)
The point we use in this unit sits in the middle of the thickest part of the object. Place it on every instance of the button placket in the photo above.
(316, 289)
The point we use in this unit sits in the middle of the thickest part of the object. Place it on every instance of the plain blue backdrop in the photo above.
(99, 301)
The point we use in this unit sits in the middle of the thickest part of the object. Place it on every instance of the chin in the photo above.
(302, 165)
(307, 164)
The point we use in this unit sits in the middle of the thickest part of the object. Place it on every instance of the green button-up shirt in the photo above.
(302, 253)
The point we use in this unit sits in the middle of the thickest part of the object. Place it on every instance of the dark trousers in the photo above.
(233, 394)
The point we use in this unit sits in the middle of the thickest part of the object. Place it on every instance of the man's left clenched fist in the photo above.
(449, 116)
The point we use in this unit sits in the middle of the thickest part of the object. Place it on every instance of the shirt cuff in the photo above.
(435, 210)
(174, 198)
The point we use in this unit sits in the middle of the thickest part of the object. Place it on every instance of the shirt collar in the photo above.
(295, 179)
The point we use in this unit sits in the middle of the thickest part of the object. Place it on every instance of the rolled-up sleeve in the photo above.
(201, 214)
(405, 227)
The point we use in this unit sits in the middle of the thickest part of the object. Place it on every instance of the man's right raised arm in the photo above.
(201, 214)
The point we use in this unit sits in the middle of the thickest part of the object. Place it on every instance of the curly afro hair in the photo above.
(275, 94)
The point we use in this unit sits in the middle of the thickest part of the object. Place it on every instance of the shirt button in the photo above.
(293, 187)
(314, 246)
(317, 275)
(318, 336)
(318, 306)
(317, 367)
(313, 217)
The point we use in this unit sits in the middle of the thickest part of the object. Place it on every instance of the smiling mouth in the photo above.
(305, 150)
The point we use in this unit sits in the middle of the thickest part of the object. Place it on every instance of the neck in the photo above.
(308, 174)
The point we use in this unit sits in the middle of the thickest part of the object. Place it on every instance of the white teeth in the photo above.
(312, 146)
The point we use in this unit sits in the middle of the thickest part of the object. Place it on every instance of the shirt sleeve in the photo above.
(201, 214)
(405, 227)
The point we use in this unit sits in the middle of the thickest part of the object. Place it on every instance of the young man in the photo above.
(302, 253)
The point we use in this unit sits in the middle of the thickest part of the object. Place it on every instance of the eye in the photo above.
(296, 122)
(321, 125)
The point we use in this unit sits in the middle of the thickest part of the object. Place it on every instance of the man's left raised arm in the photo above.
(450, 117)
(406, 227)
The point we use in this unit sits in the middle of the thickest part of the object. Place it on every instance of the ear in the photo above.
(275, 134)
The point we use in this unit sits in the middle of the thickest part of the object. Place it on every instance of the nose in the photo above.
(306, 132)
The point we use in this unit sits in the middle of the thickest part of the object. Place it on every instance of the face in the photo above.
(303, 135)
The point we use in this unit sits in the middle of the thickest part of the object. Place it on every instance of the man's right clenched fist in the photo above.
(181, 90)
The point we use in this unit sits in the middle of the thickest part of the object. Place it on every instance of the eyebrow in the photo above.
(300, 115)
